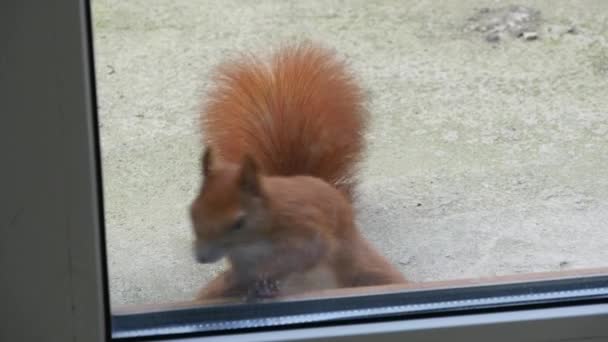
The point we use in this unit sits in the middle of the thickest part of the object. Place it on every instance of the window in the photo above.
(535, 164)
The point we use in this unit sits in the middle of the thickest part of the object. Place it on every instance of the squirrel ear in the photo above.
(206, 161)
(249, 180)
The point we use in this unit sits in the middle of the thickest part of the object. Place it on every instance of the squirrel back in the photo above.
(300, 113)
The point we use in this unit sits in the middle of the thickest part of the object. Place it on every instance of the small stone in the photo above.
(530, 35)
(493, 37)
(407, 261)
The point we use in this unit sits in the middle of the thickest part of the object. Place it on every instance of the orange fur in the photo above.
(283, 139)
(301, 113)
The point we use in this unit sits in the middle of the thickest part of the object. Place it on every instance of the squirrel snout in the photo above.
(207, 253)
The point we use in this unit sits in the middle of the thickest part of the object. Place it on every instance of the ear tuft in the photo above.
(206, 161)
(249, 180)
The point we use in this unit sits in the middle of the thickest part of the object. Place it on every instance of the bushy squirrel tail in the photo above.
(300, 113)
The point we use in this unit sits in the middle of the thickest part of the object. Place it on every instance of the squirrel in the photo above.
(282, 141)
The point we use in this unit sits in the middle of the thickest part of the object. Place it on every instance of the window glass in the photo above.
(484, 153)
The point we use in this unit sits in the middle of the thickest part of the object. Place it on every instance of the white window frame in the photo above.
(53, 278)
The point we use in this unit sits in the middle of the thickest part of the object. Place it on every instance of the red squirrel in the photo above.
(282, 141)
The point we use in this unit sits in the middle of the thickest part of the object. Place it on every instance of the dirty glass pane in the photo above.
(487, 147)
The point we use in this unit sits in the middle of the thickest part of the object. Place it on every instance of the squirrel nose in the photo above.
(206, 253)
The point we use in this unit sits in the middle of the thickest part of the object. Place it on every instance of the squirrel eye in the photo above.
(240, 223)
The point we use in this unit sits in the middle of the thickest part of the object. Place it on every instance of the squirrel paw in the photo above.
(263, 289)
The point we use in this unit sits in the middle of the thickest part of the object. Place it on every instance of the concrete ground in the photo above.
(487, 156)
